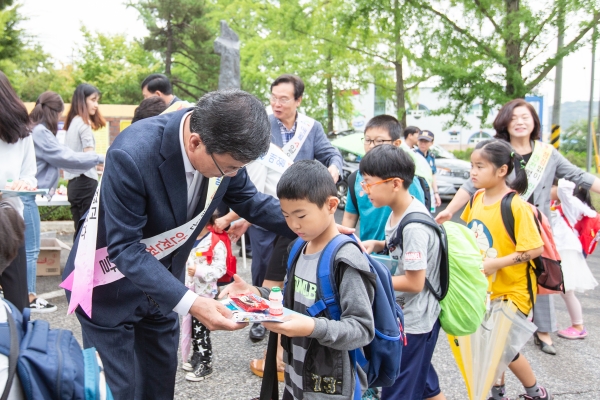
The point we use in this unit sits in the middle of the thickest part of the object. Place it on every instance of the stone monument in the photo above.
(228, 47)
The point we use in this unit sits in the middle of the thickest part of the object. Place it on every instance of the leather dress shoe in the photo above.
(545, 347)
(257, 332)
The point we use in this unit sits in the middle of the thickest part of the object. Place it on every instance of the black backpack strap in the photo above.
(508, 219)
(352, 190)
(427, 219)
(13, 355)
(426, 192)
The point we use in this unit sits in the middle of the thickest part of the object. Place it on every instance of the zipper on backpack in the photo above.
(402, 332)
(60, 362)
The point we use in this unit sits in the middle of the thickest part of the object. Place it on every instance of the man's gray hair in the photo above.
(232, 122)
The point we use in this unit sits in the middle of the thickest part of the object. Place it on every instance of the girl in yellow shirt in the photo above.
(505, 263)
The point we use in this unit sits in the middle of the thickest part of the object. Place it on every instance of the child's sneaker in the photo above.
(572, 333)
(41, 306)
(191, 365)
(201, 372)
(544, 395)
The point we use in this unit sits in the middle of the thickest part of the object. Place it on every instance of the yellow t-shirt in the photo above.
(494, 242)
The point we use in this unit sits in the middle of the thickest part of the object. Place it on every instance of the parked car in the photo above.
(451, 174)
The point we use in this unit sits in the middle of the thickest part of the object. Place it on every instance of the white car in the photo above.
(451, 174)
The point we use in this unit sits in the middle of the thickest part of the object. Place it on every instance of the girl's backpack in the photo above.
(231, 261)
(49, 362)
(546, 267)
(589, 233)
(462, 282)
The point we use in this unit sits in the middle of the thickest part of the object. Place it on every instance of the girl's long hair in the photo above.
(14, 121)
(79, 107)
(499, 153)
(48, 109)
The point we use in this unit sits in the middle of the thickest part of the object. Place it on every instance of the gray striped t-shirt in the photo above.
(305, 291)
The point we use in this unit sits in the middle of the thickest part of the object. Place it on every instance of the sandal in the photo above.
(257, 366)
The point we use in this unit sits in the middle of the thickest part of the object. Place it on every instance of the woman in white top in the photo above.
(17, 172)
(82, 119)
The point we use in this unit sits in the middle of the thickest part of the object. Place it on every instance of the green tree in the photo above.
(177, 31)
(114, 65)
(495, 50)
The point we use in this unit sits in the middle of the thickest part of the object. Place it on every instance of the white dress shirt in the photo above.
(194, 180)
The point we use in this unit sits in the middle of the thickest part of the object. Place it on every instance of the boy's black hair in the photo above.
(307, 180)
(411, 130)
(387, 122)
(388, 161)
(150, 107)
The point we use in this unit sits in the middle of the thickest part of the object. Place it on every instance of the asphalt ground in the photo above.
(573, 374)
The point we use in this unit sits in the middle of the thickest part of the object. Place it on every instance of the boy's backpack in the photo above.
(463, 286)
(546, 267)
(352, 190)
(49, 362)
(381, 359)
(589, 233)
(230, 260)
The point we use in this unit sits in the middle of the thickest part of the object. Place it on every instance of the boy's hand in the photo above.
(294, 325)
(239, 286)
(369, 246)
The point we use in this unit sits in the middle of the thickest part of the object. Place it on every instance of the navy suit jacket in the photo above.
(143, 194)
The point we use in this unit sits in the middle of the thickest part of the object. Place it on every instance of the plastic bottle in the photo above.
(8, 185)
(276, 301)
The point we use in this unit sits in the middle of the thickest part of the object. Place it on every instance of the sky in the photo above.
(56, 25)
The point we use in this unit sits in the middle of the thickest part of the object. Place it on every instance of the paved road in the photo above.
(573, 374)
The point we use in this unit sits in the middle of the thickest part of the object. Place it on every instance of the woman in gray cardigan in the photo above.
(518, 123)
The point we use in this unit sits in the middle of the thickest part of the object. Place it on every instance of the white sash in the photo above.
(275, 159)
(102, 271)
(536, 166)
(303, 126)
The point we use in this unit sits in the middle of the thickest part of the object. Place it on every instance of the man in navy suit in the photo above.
(156, 179)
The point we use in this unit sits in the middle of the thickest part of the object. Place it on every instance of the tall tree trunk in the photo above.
(514, 79)
(400, 92)
(329, 104)
(169, 51)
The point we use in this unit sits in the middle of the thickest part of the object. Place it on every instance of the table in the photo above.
(49, 206)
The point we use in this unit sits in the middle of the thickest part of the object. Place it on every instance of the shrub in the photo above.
(464, 154)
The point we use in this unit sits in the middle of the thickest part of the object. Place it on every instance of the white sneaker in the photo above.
(186, 366)
(41, 306)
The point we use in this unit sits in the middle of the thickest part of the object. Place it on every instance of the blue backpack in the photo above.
(49, 362)
(381, 359)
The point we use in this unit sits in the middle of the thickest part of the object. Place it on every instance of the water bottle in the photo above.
(276, 301)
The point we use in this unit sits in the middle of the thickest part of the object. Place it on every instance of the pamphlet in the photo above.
(239, 315)
(389, 262)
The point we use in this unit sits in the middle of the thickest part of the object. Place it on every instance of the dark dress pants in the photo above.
(14, 281)
(262, 247)
(139, 354)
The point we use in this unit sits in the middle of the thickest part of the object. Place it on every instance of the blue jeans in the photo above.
(32, 239)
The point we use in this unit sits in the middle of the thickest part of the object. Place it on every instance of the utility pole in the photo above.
(555, 130)
(590, 133)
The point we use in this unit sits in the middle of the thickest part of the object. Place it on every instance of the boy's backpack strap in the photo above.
(13, 355)
(326, 280)
(427, 219)
(352, 190)
(508, 219)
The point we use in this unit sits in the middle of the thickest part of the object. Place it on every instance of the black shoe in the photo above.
(201, 372)
(257, 332)
(545, 347)
(248, 253)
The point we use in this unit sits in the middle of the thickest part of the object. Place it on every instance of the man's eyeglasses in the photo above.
(228, 173)
(283, 100)
(367, 186)
(378, 142)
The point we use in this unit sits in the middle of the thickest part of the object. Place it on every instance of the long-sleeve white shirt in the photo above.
(18, 163)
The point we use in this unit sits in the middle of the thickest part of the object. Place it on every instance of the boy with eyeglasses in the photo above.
(382, 129)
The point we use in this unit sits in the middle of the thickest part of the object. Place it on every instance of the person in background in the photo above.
(411, 136)
(83, 117)
(423, 145)
(159, 85)
(17, 172)
(50, 156)
(150, 107)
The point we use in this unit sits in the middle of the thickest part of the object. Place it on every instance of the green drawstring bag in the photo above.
(463, 286)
